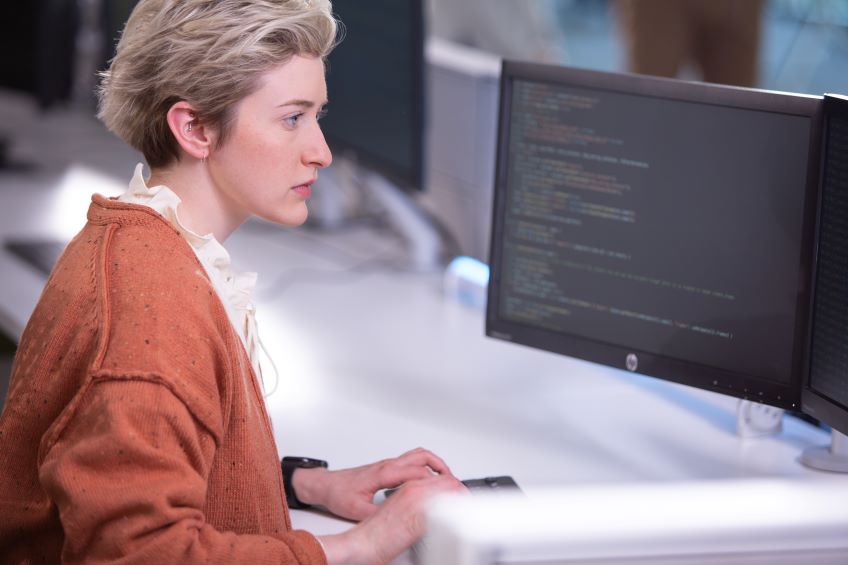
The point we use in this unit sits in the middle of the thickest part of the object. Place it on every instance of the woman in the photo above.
(135, 427)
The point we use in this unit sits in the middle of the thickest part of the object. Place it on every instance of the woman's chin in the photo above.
(288, 218)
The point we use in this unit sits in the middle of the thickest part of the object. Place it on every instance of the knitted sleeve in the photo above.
(127, 469)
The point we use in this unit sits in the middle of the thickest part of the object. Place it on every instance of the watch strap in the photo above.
(289, 465)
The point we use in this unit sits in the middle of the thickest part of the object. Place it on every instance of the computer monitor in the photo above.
(660, 226)
(734, 522)
(37, 48)
(375, 88)
(825, 391)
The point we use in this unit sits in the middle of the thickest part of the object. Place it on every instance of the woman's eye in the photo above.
(321, 113)
(291, 121)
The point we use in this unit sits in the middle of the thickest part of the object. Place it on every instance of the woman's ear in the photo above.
(193, 136)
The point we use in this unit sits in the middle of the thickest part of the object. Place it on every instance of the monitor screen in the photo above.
(656, 225)
(375, 87)
(826, 391)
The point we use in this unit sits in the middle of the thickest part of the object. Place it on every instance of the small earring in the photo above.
(189, 127)
(203, 160)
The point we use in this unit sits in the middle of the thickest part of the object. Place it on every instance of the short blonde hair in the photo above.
(209, 53)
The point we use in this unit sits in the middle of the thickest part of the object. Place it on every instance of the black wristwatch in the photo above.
(289, 465)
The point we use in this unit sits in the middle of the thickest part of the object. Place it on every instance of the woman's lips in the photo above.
(304, 190)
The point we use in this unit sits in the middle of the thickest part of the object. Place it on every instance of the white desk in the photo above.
(375, 362)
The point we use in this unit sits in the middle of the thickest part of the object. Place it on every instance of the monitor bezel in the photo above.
(786, 395)
(813, 402)
(413, 178)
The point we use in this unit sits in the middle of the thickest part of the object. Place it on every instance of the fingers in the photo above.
(393, 474)
(349, 493)
(416, 492)
(412, 465)
(401, 520)
(421, 456)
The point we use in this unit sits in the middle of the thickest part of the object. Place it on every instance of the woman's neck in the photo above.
(204, 208)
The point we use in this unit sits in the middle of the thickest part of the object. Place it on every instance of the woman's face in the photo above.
(271, 157)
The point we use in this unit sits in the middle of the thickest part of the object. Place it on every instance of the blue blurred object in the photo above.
(466, 280)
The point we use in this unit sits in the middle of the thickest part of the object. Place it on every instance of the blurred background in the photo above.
(51, 51)
(52, 48)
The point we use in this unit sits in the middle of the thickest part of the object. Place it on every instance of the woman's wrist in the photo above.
(342, 549)
(310, 485)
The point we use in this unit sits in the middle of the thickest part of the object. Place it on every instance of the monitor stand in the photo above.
(423, 241)
(833, 458)
(331, 204)
(346, 182)
(755, 420)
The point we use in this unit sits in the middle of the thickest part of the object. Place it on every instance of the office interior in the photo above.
(374, 312)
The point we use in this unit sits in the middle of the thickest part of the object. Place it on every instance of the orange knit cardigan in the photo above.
(134, 426)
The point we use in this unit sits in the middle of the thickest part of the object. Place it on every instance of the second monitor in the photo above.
(656, 225)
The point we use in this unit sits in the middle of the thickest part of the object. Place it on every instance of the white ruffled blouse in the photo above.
(233, 288)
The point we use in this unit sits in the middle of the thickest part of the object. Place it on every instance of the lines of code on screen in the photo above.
(660, 225)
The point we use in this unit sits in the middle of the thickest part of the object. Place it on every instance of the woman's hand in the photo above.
(349, 493)
(392, 527)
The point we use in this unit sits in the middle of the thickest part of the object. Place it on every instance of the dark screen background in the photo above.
(659, 225)
(829, 367)
(375, 87)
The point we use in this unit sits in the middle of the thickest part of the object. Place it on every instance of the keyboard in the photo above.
(488, 484)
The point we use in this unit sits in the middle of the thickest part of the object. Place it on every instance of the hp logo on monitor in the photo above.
(632, 362)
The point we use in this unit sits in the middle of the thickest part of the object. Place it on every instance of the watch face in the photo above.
(303, 462)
